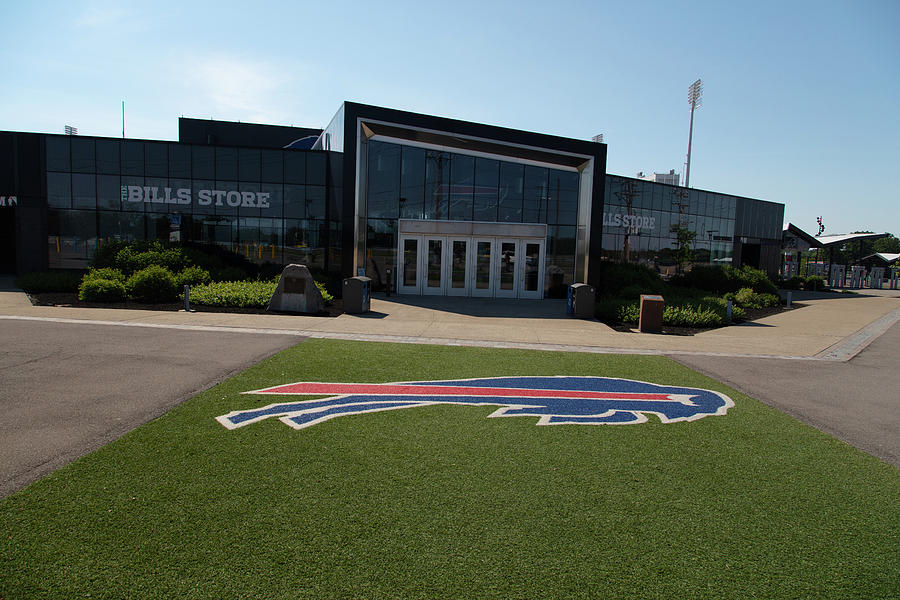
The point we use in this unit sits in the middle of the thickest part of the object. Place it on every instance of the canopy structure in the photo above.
(831, 241)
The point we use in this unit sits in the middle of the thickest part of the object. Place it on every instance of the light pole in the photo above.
(695, 92)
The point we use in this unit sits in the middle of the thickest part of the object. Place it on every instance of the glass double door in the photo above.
(471, 266)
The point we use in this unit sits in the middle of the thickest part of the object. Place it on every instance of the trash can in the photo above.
(357, 297)
(651, 314)
(580, 301)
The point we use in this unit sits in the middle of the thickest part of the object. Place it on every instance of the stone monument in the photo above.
(296, 292)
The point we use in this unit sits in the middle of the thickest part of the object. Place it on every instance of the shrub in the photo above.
(699, 312)
(106, 273)
(814, 282)
(794, 283)
(327, 298)
(105, 255)
(241, 294)
(192, 276)
(726, 279)
(153, 285)
(130, 260)
(98, 289)
(747, 298)
(49, 281)
(614, 278)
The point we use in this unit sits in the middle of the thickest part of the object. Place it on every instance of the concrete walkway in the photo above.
(821, 326)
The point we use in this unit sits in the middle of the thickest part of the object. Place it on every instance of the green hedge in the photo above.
(240, 294)
(101, 290)
(725, 279)
(243, 294)
(155, 284)
(699, 313)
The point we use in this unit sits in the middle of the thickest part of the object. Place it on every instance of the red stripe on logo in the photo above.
(395, 389)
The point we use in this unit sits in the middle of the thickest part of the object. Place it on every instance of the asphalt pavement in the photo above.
(67, 389)
(857, 401)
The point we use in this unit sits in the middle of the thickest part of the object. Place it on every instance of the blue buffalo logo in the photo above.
(554, 400)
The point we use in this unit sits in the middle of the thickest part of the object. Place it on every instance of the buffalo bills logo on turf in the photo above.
(555, 400)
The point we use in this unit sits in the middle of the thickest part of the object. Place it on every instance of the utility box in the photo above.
(651, 314)
(357, 294)
(580, 301)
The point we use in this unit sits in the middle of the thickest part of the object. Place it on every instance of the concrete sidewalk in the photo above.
(823, 326)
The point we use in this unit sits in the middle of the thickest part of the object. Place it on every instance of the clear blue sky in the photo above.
(800, 101)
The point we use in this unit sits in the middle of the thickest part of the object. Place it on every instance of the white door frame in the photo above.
(445, 272)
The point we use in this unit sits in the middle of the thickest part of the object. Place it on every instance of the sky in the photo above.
(801, 100)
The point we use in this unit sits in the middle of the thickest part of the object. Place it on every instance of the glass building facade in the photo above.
(641, 219)
(426, 204)
(415, 183)
(267, 204)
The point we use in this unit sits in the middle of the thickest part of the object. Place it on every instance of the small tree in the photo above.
(890, 245)
(684, 251)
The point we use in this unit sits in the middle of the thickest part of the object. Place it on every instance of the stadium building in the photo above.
(436, 205)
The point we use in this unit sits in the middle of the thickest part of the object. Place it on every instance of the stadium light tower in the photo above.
(695, 93)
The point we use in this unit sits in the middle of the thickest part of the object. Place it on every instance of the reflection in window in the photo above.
(58, 154)
(383, 190)
(132, 157)
(83, 155)
(412, 183)
(59, 190)
(462, 179)
(84, 191)
(511, 192)
(487, 178)
(437, 176)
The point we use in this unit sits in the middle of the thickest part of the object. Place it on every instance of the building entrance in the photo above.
(456, 265)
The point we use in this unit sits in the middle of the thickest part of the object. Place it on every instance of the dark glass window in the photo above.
(121, 226)
(204, 203)
(83, 156)
(203, 162)
(295, 201)
(157, 160)
(563, 205)
(133, 198)
(294, 166)
(315, 168)
(156, 188)
(59, 190)
(383, 174)
(437, 176)
(109, 192)
(179, 161)
(315, 202)
(412, 182)
(132, 157)
(248, 165)
(58, 154)
(462, 181)
(245, 210)
(84, 190)
(226, 164)
(272, 166)
(535, 204)
(226, 197)
(487, 178)
(381, 244)
(108, 161)
(511, 183)
(275, 200)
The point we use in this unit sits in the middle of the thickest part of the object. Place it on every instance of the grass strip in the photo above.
(442, 502)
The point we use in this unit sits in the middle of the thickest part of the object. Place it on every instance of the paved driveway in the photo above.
(857, 401)
(67, 389)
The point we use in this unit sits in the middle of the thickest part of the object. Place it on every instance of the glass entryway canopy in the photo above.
(493, 260)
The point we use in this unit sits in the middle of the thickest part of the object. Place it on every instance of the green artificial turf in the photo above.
(442, 502)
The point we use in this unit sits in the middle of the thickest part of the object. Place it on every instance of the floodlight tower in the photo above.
(695, 92)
